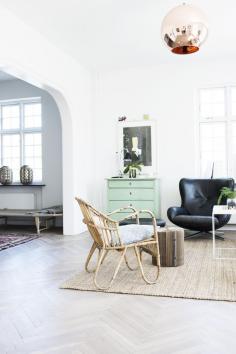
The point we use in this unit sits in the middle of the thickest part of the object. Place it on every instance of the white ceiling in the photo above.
(111, 34)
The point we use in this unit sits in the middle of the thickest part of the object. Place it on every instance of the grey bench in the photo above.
(48, 214)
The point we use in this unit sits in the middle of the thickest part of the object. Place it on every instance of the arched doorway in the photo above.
(67, 138)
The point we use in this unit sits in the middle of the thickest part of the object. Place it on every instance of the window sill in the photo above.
(18, 184)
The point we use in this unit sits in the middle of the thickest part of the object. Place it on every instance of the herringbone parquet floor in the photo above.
(37, 317)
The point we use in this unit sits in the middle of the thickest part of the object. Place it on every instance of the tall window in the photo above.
(21, 136)
(217, 131)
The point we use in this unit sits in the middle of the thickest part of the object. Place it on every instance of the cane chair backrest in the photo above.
(103, 230)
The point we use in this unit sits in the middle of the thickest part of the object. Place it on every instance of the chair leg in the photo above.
(137, 252)
(100, 260)
(219, 235)
(127, 263)
(104, 256)
(192, 235)
(91, 252)
(205, 232)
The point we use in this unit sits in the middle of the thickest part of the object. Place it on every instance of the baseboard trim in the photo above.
(229, 227)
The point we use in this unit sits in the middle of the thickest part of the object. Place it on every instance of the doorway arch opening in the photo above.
(67, 139)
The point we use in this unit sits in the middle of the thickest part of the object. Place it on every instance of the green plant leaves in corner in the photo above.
(226, 192)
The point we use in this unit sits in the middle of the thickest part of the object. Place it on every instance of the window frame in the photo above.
(228, 119)
(208, 119)
(21, 130)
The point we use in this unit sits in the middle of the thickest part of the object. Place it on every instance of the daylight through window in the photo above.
(21, 136)
(217, 131)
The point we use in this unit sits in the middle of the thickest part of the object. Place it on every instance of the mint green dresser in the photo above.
(140, 193)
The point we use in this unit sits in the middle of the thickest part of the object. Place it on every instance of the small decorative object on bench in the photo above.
(109, 236)
(171, 245)
(26, 175)
(6, 175)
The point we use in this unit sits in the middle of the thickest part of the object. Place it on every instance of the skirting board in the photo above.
(228, 227)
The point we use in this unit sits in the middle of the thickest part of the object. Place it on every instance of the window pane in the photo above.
(11, 153)
(33, 153)
(212, 103)
(11, 116)
(213, 149)
(32, 115)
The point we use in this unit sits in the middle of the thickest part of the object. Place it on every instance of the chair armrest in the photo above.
(121, 209)
(172, 212)
(154, 222)
(136, 214)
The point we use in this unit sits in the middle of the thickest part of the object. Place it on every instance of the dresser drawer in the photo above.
(134, 183)
(131, 194)
(144, 204)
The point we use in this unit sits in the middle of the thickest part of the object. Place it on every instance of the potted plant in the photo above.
(228, 194)
(132, 168)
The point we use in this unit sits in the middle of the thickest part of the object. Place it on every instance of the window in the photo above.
(217, 131)
(212, 103)
(21, 136)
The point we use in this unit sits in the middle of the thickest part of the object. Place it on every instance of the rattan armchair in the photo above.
(107, 237)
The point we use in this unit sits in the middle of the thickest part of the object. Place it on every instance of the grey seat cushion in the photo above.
(135, 233)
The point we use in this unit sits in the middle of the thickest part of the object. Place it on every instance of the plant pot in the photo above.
(231, 203)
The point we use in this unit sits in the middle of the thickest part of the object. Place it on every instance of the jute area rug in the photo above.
(201, 277)
(8, 240)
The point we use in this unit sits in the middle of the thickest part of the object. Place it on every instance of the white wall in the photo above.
(29, 56)
(51, 137)
(167, 93)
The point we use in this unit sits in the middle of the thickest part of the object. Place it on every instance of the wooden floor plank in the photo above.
(36, 317)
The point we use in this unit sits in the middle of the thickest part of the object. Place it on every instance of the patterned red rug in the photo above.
(15, 239)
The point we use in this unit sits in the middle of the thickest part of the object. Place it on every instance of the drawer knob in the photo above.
(130, 193)
(131, 205)
(130, 183)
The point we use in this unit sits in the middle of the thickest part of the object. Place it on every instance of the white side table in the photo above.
(220, 210)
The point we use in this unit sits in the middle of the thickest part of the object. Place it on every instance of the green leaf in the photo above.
(226, 192)
(126, 169)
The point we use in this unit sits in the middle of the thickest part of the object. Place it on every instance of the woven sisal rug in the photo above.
(200, 277)
(14, 239)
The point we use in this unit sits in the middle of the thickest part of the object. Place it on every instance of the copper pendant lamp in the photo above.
(184, 29)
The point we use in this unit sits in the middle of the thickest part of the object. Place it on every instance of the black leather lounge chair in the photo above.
(198, 198)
